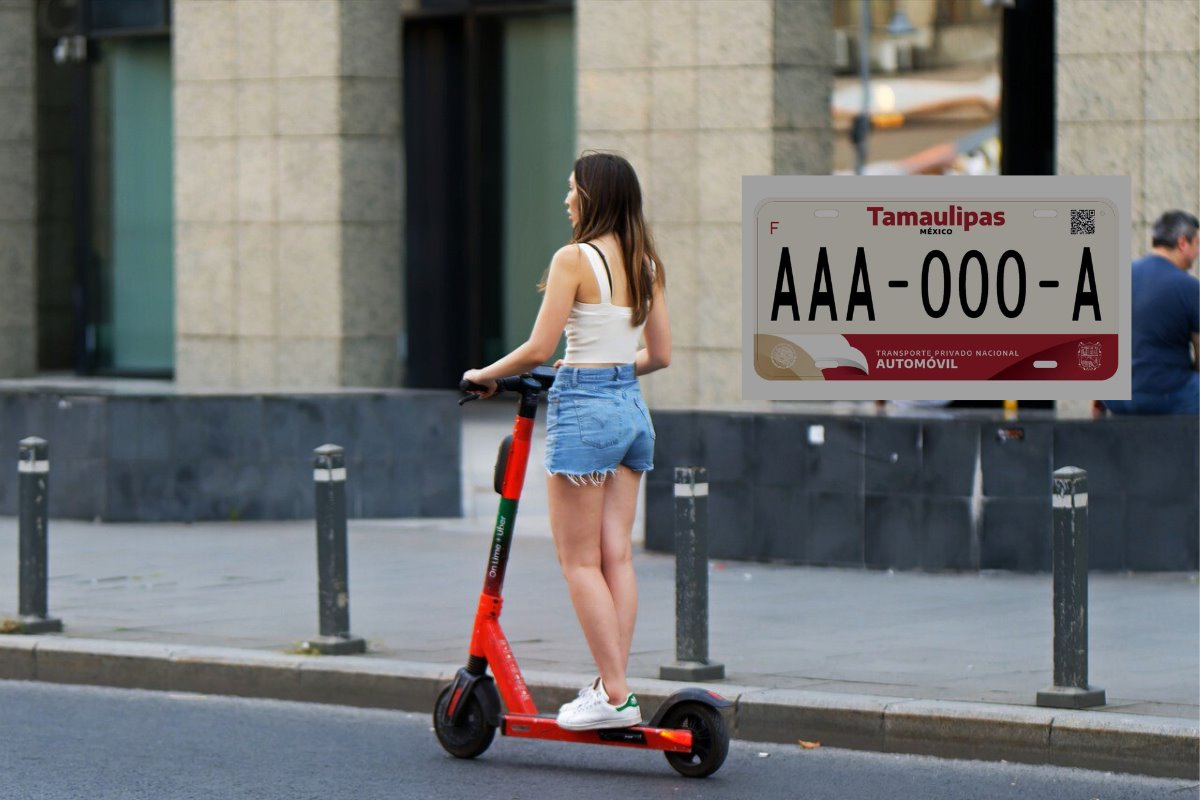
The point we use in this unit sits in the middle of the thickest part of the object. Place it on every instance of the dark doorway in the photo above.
(460, 173)
(1027, 118)
(105, 189)
(452, 152)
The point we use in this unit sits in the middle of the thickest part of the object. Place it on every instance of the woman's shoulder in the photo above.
(568, 262)
(567, 256)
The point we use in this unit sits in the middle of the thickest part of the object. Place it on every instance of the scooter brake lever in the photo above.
(468, 398)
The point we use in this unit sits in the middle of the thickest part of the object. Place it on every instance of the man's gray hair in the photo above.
(1171, 225)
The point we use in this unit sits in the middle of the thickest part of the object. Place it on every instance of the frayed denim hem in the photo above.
(596, 478)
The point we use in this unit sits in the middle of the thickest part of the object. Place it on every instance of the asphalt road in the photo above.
(82, 742)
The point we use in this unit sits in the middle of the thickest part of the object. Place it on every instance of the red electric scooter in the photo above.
(688, 727)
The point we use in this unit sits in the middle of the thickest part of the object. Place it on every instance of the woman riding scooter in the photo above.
(605, 289)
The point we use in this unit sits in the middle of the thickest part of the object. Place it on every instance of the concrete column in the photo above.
(205, 119)
(287, 192)
(18, 190)
(698, 93)
(1128, 103)
(1128, 86)
(372, 280)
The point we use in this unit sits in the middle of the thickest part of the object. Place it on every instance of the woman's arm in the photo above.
(562, 283)
(657, 333)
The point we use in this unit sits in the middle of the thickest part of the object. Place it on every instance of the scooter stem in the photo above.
(488, 643)
(516, 460)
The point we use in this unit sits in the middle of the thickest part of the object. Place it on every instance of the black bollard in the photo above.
(1070, 689)
(333, 583)
(691, 580)
(33, 478)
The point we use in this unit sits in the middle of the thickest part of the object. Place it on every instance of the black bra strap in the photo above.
(607, 271)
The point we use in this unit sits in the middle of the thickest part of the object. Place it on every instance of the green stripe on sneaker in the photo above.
(630, 702)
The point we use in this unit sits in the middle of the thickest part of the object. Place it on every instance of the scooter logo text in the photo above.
(501, 525)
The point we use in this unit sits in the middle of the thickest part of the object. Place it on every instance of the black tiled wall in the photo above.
(187, 458)
(883, 493)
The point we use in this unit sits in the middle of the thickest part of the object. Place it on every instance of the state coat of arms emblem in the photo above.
(1089, 356)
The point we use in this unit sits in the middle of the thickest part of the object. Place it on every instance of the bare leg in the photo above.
(575, 520)
(616, 551)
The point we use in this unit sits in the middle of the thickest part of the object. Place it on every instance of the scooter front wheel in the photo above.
(470, 737)
(710, 739)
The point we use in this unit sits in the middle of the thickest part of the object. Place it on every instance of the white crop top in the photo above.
(601, 333)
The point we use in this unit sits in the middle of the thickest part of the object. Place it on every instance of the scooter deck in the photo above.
(531, 726)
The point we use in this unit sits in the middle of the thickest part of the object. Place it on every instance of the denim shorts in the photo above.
(597, 420)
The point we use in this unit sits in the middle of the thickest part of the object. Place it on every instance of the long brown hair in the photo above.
(610, 200)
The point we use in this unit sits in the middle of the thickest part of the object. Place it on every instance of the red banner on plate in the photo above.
(1020, 357)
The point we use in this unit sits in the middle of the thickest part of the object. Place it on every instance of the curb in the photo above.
(1158, 746)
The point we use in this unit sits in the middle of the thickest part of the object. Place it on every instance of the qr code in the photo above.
(1083, 221)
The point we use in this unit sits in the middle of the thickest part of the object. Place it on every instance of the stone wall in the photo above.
(1128, 86)
(18, 189)
(287, 192)
(698, 93)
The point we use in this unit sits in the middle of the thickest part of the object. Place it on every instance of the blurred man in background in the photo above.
(1166, 321)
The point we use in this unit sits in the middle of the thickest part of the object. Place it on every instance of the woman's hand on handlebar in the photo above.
(474, 376)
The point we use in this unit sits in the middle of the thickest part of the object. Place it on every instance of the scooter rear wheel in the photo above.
(710, 739)
(470, 737)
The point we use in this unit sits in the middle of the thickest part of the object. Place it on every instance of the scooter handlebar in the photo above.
(469, 388)
(539, 379)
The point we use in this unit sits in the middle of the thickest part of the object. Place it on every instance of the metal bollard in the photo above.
(33, 477)
(333, 583)
(691, 580)
(1070, 689)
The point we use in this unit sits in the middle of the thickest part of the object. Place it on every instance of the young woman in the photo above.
(606, 290)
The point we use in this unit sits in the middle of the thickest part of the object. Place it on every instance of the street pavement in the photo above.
(835, 639)
(68, 742)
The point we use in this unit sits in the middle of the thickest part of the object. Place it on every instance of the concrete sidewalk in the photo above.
(908, 662)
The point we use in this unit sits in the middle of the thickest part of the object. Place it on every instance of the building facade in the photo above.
(287, 194)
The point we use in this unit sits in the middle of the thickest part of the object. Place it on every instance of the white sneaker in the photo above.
(592, 711)
(584, 692)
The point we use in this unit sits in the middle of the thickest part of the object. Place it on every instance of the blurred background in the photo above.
(288, 194)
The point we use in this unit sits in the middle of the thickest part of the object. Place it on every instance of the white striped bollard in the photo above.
(333, 581)
(1070, 689)
(33, 479)
(691, 580)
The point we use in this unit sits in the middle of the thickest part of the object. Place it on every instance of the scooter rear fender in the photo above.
(691, 694)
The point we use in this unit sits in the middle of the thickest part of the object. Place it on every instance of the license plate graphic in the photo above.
(935, 288)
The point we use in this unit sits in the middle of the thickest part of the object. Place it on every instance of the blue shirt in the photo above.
(1166, 312)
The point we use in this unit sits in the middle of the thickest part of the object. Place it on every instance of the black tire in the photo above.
(710, 739)
(467, 739)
